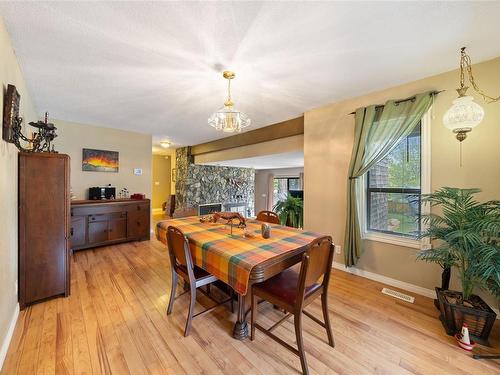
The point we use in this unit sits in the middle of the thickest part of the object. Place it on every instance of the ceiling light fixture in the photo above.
(465, 114)
(228, 119)
(165, 144)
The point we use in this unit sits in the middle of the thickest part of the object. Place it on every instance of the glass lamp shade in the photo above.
(463, 115)
(229, 120)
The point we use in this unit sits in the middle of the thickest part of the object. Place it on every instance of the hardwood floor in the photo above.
(115, 322)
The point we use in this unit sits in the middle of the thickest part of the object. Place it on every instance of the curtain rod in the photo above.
(403, 100)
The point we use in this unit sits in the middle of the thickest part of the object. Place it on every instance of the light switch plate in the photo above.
(338, 249)
(138, 171)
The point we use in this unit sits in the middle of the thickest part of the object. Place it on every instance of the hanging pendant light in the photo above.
(229, 119)
(465, 114)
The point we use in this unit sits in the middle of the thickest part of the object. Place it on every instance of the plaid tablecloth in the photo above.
(232, 258)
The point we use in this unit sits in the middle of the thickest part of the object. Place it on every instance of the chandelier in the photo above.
(229, 119)
(465, 114)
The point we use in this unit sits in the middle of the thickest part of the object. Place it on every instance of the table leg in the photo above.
(240, 331)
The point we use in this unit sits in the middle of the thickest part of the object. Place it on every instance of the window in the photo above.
(393, 190)
(281, 187)
(390, 208)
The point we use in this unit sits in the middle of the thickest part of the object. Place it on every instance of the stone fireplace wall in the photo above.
(203, 184)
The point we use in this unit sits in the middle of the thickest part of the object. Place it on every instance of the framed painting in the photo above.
(100, 160)
(10, 113)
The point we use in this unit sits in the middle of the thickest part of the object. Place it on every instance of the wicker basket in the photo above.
(479, 321)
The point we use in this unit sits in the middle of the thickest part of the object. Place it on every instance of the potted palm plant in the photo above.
(466, 237)
(290, 211)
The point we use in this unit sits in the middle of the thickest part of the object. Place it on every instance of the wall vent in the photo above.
(399, 295)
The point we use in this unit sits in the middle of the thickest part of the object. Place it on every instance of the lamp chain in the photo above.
(465, 62)
(460, 154)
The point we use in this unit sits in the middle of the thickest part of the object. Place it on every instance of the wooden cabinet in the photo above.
(44, 229)
(138, 220)
(97, 223)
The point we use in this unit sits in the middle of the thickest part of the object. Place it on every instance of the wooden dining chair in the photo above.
(292, 291)
(194, 277)
(268, 217)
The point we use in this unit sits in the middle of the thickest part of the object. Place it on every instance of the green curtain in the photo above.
(378, 130)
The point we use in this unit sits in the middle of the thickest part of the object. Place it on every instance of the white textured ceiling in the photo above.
(154, 67)
(284, 160)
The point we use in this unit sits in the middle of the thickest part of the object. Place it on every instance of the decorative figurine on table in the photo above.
(229, 217)
(123, 193)
(266, 230)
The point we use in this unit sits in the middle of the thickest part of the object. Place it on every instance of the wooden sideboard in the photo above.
(98, 223)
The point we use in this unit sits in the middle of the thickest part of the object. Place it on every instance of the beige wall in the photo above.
(262, 184)
(278, 146)
(328, 138)
(161, 180)
(10, 73)
(134, 149)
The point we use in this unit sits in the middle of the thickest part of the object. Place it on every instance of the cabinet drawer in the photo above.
(139, 207)
(138, 224)
(107, 217)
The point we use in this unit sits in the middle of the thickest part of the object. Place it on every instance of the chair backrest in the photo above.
(316, 262)
(185, 212)
(268, 217)
(170, 205)
(178, 248)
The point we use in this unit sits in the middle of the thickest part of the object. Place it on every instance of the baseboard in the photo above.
(387, 280)
(8, 336)
(393, 282)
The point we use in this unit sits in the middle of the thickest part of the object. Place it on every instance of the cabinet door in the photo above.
(43, 226)
(138, 221)
(117, 229)
(78, 231)
(98, 232)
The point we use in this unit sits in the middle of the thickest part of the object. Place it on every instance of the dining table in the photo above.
(240, 256)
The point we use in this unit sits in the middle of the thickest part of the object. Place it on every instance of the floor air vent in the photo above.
(396, 294)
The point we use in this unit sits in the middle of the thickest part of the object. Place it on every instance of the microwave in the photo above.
(102, 192)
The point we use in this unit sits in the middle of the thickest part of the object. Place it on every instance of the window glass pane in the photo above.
(293, 184)
(391, 206)
(280, 190)
(401, 168)
(394, 212)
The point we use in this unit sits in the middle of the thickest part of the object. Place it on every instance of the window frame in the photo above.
(425, 188)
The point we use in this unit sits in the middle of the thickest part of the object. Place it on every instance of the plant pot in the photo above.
(479, 320)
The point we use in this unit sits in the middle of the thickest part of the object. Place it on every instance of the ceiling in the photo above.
(154, 67)
(274, 161)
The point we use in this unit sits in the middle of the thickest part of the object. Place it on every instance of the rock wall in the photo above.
(203, 184)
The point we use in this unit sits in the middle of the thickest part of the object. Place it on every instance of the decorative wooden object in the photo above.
(10, 113)
(44, 269)
(97, 223)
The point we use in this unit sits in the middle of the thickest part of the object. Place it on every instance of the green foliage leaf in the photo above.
(467, 235)
(290, 211)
